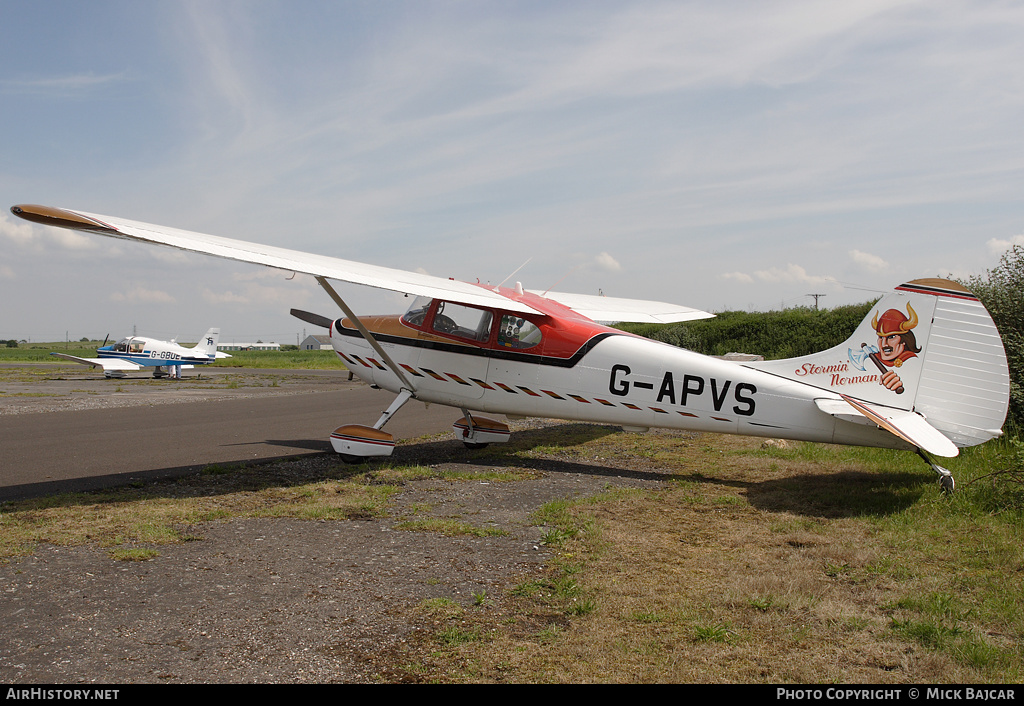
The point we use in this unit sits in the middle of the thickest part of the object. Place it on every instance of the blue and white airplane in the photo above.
(167, 358)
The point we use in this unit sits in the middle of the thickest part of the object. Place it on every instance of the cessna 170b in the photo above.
(925, 371)
(167, 358)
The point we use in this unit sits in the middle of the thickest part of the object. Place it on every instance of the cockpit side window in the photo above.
(463, 321)
(137, 346)
(517, 333)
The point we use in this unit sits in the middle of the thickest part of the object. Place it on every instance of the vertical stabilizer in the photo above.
(208, 344)
(929, 347)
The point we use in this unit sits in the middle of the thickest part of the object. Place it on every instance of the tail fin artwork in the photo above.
(926, 359)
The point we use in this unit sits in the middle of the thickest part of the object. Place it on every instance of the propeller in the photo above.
(310, 318)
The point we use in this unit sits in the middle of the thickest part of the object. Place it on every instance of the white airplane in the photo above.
(166, 358)
(926, 371)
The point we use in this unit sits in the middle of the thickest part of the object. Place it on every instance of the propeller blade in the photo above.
(310, 318)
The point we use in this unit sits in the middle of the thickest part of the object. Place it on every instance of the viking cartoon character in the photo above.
(896, 342)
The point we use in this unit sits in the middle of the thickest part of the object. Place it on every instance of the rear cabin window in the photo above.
(463, 321)
(516, 332)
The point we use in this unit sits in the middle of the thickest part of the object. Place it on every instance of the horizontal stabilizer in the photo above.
(909, 426)
(105, 363)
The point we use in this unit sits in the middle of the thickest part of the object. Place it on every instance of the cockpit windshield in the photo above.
(416, 314)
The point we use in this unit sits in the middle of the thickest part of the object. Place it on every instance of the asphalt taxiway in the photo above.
(67, 430)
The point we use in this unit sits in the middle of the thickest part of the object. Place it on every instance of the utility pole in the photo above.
(816, 296)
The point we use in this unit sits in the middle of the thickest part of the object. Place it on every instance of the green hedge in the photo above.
(773, 334)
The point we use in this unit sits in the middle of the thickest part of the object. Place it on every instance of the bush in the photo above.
(773, 334)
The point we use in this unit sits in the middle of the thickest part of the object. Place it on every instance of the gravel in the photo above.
(283, 600)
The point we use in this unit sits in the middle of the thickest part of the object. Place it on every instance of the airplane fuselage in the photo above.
(588, 372)
(157, 358)
(141, 353)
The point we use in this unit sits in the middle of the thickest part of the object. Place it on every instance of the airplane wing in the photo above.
(610, 309)
(909, 426)
(289, 260)
(105, 363)
(617, 310)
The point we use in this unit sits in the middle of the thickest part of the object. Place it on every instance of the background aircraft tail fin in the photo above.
(208, 343)
(928, 347)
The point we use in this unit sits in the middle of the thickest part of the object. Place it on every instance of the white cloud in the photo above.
(251, 292)
(24, 234)
(998, 246)
(19, 232)
(138, 293)
(70, 83)
(869, 261)
(741, 277)
(607, 262)
(792, 274)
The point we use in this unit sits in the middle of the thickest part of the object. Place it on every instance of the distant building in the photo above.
(258, 346)
(316, 343)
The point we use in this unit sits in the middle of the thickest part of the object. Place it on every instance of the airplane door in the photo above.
(459, 369)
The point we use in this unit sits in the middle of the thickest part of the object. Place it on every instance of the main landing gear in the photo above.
(946, 481)
(356, 443)
(478, 432)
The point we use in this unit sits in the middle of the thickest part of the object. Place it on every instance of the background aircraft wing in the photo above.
(617, 310)
(105, 363)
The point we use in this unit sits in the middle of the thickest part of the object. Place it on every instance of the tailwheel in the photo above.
(946, 481)
(478, 432)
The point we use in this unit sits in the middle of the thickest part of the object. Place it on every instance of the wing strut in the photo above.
(366, 334)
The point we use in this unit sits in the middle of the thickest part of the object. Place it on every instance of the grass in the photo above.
(801, 564)
(806, 564)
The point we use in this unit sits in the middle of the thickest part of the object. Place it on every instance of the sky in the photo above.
(721, 155)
